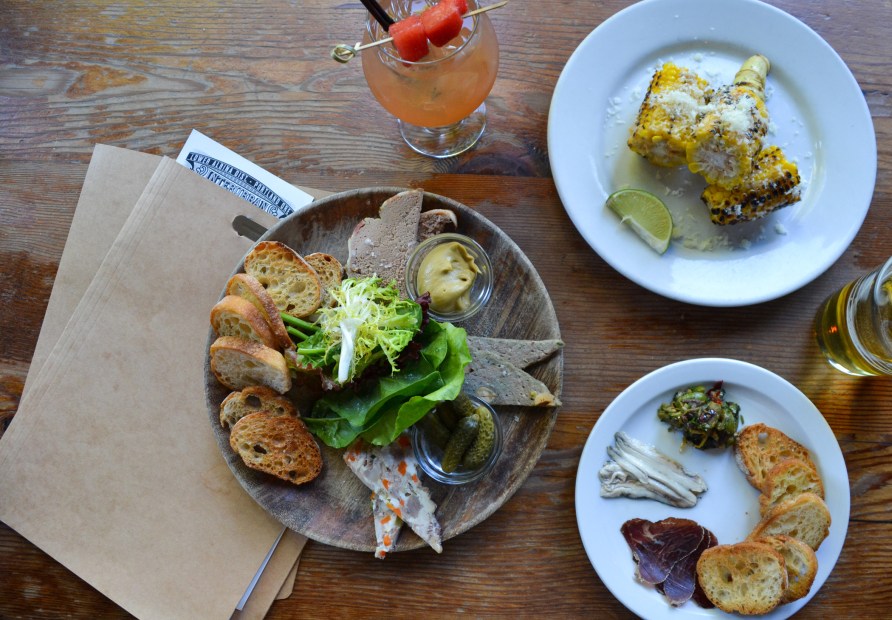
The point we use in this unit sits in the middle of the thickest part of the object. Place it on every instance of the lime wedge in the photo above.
(644, 213)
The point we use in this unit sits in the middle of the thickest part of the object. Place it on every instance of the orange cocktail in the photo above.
(437, 100)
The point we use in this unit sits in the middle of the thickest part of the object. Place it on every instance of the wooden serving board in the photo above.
(335, 508)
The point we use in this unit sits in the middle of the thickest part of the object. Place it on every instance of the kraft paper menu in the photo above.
(109, 465)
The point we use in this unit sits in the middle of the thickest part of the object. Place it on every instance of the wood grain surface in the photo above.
(334, 508)
(257, 77)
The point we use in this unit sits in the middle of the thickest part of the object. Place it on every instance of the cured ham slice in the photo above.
(657, 547)
(681, 583)
(666, 554)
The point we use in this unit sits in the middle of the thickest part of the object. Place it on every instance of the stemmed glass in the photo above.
(439, 100)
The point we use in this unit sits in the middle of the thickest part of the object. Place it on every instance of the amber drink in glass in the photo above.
(854, 325)
(439, 100)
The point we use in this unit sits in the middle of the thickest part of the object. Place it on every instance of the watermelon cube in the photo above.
(461, 5)
(409, 38)
(442, 23)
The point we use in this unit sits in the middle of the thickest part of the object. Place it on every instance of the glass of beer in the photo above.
(439, 100)
(854, 325)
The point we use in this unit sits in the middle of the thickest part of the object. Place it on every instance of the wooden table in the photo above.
(256, 76)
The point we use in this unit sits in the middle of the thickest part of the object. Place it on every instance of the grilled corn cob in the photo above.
(772, 184)
(729, 134)
(667, 115)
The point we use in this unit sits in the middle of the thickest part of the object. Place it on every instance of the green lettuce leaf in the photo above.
(383, 410)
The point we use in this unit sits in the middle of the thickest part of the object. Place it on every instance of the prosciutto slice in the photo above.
(666, 554)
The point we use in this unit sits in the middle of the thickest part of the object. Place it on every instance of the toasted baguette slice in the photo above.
(278, 445)
(788, 478)
(435, 222)
(235, 316)
(746, 577)
(251, 400)
(330, 273)
(246, 286)
(801, 564)
(239, 363)
(803, 516)
(289, 280)
(760, 447)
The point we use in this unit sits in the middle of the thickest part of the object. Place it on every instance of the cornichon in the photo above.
(463, 405)
(480, 450)
(435, 431)
(462, 437)
(448, 415)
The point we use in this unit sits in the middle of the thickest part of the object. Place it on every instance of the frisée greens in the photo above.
(369, 323)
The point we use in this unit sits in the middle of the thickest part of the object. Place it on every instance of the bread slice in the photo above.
(381, 245)
(246, 286)
(330, 273)
(239, 363)
(500, 382)
(801, 564)
(788, 478)
(236, 316)
(436, 222)
(289, 280)
(277, 445)
(760, 447)
(251, 400)
(804, 516)
(746, 577)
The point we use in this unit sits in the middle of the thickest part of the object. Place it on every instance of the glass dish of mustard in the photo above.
(455, 270)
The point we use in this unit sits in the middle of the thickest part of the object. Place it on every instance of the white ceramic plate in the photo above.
(730, 507)
(818, 115)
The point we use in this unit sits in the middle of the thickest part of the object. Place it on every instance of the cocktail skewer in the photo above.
(343, 52)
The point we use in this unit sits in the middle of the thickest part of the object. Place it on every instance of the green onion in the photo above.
(293, 321)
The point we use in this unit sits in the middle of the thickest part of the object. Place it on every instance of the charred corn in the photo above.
(667, 116)
(729, 134)
(772, 184)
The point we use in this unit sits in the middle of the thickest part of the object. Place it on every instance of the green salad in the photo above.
(382, 409)
(370, 326)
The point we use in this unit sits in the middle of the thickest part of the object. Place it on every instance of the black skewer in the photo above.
(378, 13)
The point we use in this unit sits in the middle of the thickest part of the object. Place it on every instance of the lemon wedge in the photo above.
(645, 214)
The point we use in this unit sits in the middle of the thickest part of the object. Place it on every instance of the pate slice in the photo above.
(387, 527)
(499, 382)
(391, 472)
(521, 353)
(380, 246)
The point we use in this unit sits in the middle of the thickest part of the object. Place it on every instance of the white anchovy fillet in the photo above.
(638, 470)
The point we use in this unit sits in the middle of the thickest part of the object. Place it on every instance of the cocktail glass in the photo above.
(439, 100)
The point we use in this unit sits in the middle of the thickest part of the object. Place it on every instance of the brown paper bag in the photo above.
(109, 465)
(115, 179)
